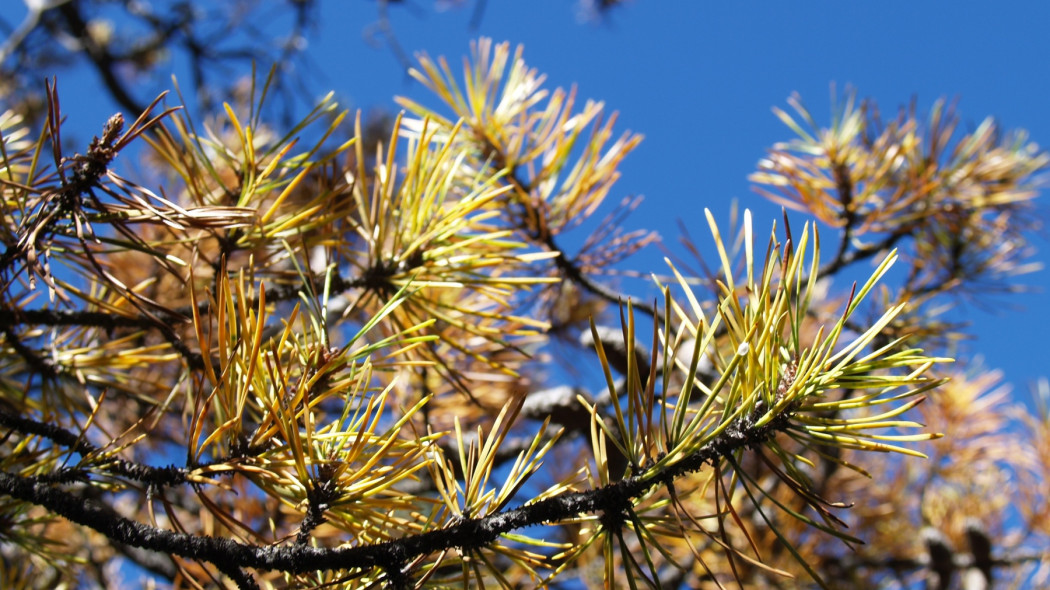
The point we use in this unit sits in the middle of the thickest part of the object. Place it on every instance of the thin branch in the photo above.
(40, 365)
(846, 257)
(80, 318)
(154, 476)
(960, 562)
(567, 266)
(103, 60)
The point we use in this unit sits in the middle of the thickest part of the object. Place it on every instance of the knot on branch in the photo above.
(379, 276)
(242, 448)
(392, 562)
(159, 477)
(616, 507)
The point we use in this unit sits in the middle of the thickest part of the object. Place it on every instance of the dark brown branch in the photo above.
(467, 534)
(959, 562)
(54, 317)
(576, 275)
(846, 257)
(155, 476)
(97, 319)
(567, 266)
(40, 365)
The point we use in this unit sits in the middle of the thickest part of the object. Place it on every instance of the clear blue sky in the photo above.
(698, 79)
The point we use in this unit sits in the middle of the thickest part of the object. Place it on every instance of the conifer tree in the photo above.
(288, 358)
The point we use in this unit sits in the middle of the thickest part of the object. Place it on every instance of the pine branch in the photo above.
(156, 477)
(567, 266)
(613, 500)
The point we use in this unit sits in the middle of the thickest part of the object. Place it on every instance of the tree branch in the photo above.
(468, 533)
(155, 476)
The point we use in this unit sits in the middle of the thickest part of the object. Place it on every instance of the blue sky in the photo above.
(698, 79)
